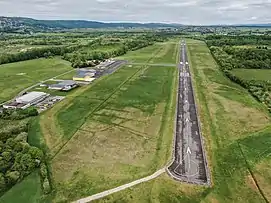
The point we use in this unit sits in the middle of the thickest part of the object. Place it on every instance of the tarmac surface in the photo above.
(111, 68)
(189, 164)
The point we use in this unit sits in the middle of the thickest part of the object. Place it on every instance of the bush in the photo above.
(43, 171)
(46, 186)
(18, 114)
(12, 177)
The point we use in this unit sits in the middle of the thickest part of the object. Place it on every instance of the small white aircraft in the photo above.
(181, 62)
(186, 63)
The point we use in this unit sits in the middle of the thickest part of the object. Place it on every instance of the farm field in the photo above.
(17, 76)
(253, 74)
(117, 126)
(237, 136)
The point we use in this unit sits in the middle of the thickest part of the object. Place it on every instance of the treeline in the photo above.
(259, 89)
(17, 158)
(76, 54)
(222, 40)
(18, 114)
(39, 53)
(82, 59)
(33, 54)
(249, 58)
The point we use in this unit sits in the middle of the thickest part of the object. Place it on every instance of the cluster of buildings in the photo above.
(86, 75)
(65, 85)
(43, 100)
(26, 100)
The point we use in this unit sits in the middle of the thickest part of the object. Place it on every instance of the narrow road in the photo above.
(190, 164)
(120, 188)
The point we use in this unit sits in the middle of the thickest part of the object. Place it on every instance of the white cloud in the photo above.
(179, 11)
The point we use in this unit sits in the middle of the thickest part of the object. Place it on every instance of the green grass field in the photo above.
(29, 190)
(121, 128)
(234, 128)
(166, 53)
(253, 74)
(120, 141)
(120, 122)
(15, 77)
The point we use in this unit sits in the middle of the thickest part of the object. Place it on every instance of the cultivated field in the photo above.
(234, 126)
(15, 77)
(253, 74)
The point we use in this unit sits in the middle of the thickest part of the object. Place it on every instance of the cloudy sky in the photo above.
(169, 11)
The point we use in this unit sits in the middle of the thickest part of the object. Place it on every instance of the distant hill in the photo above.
(267, 25)
(29, 23)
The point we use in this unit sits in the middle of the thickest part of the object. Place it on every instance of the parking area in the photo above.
(48, 103)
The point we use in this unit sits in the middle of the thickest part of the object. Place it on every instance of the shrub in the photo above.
(46, 186)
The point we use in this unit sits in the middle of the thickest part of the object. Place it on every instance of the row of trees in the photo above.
(18, 114)
(80, 59)
(244, 58)
(40, 52)
(259, 89)
(17, 158)
(248, 54)
(222, 40)
(33, 54)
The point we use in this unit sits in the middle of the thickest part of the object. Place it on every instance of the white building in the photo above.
(26, 100)
(65, 85)
(32, 98)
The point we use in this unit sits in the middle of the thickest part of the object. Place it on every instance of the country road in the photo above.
(190, 164)
(120, 188)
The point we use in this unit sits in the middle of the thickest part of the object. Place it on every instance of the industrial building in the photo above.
(65, 85)
(85, 75)
(27, 100)
(105, 64)
(15, 105)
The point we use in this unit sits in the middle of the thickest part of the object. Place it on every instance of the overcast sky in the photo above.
(169, 11)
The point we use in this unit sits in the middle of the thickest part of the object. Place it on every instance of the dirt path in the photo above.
(120, 188)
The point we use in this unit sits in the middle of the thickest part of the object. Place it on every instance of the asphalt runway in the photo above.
(189, 164)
